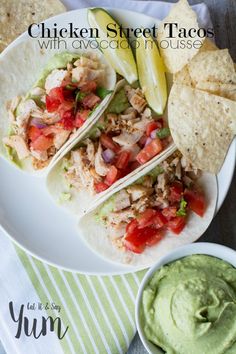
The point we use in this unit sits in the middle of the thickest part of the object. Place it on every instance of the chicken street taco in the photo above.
(169, 206)
(48, 99)
(127, 138)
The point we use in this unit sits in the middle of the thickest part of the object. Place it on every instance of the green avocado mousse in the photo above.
(189, 306)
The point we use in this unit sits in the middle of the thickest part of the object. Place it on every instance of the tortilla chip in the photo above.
(183, 76)
(16, 16)
(202, 126)
(208, 45)
(223, 90)
(175, 59)
(213, 66)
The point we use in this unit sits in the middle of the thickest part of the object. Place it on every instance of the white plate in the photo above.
(27, 212)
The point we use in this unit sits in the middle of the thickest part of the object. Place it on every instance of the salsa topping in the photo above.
(160, 201)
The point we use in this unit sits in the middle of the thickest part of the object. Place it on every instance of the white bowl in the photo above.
(211, 249)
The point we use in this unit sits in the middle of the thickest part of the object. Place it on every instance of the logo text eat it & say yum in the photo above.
(36, 327)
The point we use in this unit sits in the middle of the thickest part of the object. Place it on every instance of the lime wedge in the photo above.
(151, 73)
(116, 50)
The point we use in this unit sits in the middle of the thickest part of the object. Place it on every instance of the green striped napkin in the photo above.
(99, 310)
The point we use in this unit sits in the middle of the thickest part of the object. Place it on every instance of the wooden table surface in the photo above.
(223, 227)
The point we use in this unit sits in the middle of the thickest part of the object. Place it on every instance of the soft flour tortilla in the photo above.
(176, 58)
(20, 67)
(202, 126)
(80, 201)
(96, 235)
(16, 16)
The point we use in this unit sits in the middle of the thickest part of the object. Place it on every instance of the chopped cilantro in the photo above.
(182, 208)
(163, 133)
(102, 92)
(79, 96)
(70, 87)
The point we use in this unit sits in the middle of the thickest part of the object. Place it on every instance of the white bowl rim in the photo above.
(205, 248)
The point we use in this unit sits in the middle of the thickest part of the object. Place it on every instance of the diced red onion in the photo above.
(108, 155)
(37, 122)
(148, 141)
(153, 134)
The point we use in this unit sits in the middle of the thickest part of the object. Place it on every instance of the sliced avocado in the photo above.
(153, 173)
(119, 103)
(105, 209)
(12, 155)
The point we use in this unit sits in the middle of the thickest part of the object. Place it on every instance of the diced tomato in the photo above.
(81, 117)
(90, 100)
(146, 218)
(129, 245)
(142, 140)
(112, 175)
(149, 151)
(100, 187)
(51, 129)
(65, 106)
(89, 87)
(159, 220)
(57, 93)
(150, 127)
(68, 94)
(177, 224)
(134, 165)
(124, 172)
(34, 132)
(42, 143)
(108, 143)
(176, 192)
(123, 160)
(67, 82)
(153, 126)
(161, 123)
(58, 96)
(196, 201)
(131, 226)
(68, 120)
(52, 104)
(155, 238)
(169, 212)
(139, 238)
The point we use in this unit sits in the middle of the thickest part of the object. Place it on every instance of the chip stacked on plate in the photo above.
(202, 101)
